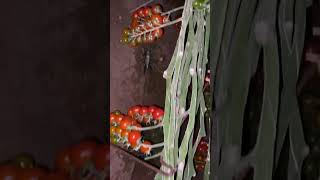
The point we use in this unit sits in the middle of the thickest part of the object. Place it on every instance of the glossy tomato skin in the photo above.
(157, 20)
(125, 133)
(147, 12)
(134, 138)
(118, 118)
(112, 118)
(82, 153)
(158, 114)
(8, 172)
(31, 174)
(63, 160)
(125, 123)
(141, 12)
(118, 131)
(101, 158)
(143, 111)
(145, 150)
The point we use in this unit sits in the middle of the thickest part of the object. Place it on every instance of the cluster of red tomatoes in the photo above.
(143, 19)
(69, 163)
(201, 155)
(125, 129)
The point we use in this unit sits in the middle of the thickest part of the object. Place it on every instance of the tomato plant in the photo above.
(157, 114)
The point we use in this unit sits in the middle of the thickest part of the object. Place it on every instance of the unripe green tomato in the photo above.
(124, 39)
(126, 31)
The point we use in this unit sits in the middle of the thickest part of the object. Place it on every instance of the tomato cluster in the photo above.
(201, 155)
(124, 129)
(68, 163)
(143, 19)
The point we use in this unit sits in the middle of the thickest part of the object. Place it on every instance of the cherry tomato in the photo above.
(118, 119)
(135, 15)
(134, 138)
(125, 123)
(147, 12)
(8, 172)
(112, 118)
(198, 4)
(136, 109)
(82, 153)
(141, 12)
(63, 160)
(134, 122)
(151, 109)
(157, 9)
(199, 158)
(202, 148)
(114, 140)
(125, 133)
(112, 130)
(124, 39)
(118, 131)
(130, 111)
(144, 149)
(31, 174)
(126, 31)
(24, 160)
(158, 114)
(101, 157)
(158, 33)
(156, 19)
(134, 23)
(143, 111)
(199, 167)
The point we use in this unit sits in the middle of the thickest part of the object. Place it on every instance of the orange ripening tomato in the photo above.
(82, 153)
(63, 161)
(101, 158)
(112, 130)
(144, 149)
(125, 133)
(112, 118)
(118, 131)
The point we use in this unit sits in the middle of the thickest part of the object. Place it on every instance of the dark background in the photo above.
(52, 75)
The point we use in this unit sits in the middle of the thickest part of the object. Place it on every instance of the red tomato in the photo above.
(199, 158)
(144, 149)
(31, 174)
(136, 109)
(9, 172)
(63, 160)
(134, 23)
(112, 118)
(130, 112)
(143, 111)
(157, 9)
(141, 12)
(101, 158)
(147, 11)
(82, 153)
(134, 138)
(135, 15)
(148, 25)
(118, 118)
(137, 125)
(199, 167)
(156, 19)
(158, 114)
(203, 149)
(158, 33)
(125, 123)
(151, 109)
